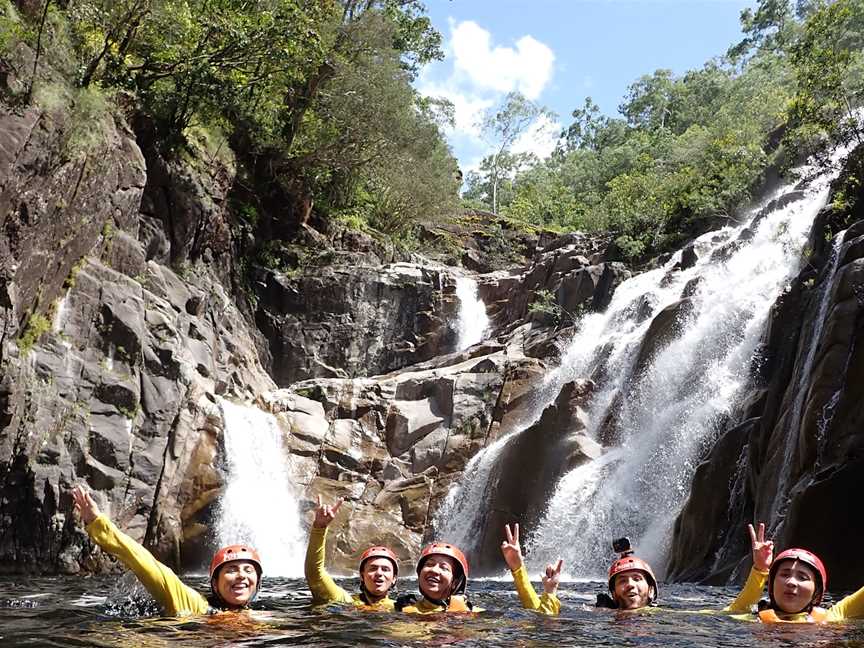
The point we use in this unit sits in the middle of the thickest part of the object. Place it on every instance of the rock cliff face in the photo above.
(794, 458)
(122, 322)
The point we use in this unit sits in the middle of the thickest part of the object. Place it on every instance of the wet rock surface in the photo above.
(792, 461)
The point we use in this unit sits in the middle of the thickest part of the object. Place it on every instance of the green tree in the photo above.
(829, 68)
(502, 126)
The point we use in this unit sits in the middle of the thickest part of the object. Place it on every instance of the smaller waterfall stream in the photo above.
(473, 320)
(814, 343)
(259, 506)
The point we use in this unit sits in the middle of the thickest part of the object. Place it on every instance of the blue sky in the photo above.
(557, 52)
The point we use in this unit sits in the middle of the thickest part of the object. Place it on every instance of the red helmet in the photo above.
(806, 557)
(445, 549)
(235, 552)
(628, 563)
(380, 552)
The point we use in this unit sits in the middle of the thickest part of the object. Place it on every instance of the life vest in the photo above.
(362, 603)
(816, 615)
(456, 604)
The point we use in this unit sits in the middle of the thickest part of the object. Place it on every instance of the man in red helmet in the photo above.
(632, 583)
(378, 568)
(235, 571)
(797, 581)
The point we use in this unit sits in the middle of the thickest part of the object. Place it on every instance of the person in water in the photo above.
(797, 581)
(442, 577)
(548, 603)
(378, 568)
(235, 570)
(632, 584)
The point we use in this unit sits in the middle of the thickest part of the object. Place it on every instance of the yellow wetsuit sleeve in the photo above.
(163, 584)
(324, 589)
(546, 604)
(850, 607)
(751, 593)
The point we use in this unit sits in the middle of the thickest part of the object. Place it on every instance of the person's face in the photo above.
(236, 582)
(378, 576)
(632, 590)
(794, 586)
(436, 576)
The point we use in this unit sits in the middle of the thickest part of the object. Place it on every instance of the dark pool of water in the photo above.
(72, 611)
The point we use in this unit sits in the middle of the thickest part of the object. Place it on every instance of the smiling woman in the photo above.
(235, 571)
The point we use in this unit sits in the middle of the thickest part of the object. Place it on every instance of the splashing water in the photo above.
(259, 506)
(666, 412)
(473, 320)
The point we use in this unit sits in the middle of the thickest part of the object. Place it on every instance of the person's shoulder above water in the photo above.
(235, 571)
(378, 568)
(797, 581)
(631, 581)
(548, 603)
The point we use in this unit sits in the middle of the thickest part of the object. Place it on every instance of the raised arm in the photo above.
(324, 589)
(163, 584)
(547, 603)
(763, 555)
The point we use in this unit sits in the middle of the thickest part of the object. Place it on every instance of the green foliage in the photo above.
(501, 126)
(12, 30)
(545, 307)
(829, 69)
(37, 325)
(86, 118)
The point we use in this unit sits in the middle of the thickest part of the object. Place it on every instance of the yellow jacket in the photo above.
(324, 589)
(163, 584)
(545, 603)
(850, 607)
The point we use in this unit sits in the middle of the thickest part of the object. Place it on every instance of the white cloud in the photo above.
(468, 108)
(527, 68)
(540, 138)
(475, 76)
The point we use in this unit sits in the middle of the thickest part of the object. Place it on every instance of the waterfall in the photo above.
(663, 414)
(259, 506)
(462, 515)
(781, 497)
(473, 320)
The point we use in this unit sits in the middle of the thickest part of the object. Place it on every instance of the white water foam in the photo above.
(259, 506)
(473, 320)
(681, 397)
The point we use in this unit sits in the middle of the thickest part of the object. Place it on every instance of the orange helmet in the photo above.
(628, 563)
(806, 557)
(380, 552)
(235, 552)
(451, 551)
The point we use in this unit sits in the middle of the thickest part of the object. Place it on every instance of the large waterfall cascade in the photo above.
(473, 320)
(662, 415)
(668, 411)
(259, 506)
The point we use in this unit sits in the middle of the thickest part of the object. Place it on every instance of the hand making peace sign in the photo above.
(510, 547)
(763, 550)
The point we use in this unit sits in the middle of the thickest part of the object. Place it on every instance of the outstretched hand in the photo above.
(324, 515)
(552, 577)
(85, 504)
(510, 547)
(763, 550)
